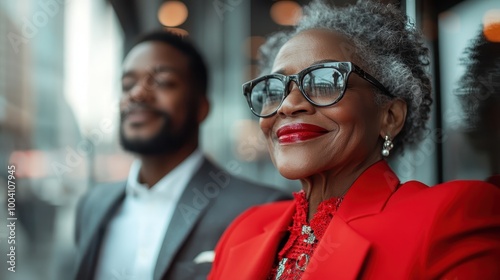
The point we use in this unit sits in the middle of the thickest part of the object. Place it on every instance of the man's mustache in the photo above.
(141, 107)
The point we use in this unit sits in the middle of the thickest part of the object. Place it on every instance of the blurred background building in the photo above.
(59, 90)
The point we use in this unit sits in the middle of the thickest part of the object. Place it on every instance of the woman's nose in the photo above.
(295, 102)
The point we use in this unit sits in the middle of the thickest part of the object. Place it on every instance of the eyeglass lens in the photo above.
(323, 86)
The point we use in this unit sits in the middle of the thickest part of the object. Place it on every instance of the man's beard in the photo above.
(166, 140)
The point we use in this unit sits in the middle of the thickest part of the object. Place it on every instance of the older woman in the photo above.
(348, 89)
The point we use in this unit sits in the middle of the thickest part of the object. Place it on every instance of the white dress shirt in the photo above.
(135, 234)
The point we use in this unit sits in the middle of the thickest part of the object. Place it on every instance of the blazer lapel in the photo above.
(369, 193)
(256, 256)
(190, 208)
(339, 255)
(342, 251)
(100, 214)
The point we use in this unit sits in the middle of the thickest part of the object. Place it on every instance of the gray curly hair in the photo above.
(391, 49)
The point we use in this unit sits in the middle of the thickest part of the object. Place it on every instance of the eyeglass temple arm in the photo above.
(372, 80)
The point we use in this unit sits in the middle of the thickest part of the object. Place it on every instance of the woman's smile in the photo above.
(299, 132)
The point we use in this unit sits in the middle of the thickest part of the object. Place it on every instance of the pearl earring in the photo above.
(388, 145)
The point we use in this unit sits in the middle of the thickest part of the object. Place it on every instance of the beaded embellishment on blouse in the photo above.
(304, 237)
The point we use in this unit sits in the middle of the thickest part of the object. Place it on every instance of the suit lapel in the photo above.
(100, 215)
(190, 208)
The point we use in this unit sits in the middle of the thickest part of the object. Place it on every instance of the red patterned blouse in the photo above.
(304, 237)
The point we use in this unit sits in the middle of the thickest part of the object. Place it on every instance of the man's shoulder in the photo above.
(234, 183)
(94, 196)
(243, 183)
(101, 189)
(259, 192)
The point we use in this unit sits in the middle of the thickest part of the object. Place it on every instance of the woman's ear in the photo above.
(393, 118)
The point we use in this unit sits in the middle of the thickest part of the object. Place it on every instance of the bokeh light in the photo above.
(172, 13)
(286, 12)
(491, 17)
(491, 23)
(492, 32)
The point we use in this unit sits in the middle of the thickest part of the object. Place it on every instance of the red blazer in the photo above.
(383, 230)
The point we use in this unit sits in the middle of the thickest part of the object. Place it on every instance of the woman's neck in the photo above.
(332, 183)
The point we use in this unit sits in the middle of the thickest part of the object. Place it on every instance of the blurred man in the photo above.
(165, 220)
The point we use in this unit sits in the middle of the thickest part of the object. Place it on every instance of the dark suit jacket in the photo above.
(383, 230)
(211, 200)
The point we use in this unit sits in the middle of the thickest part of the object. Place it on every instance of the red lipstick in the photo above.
(298, 132)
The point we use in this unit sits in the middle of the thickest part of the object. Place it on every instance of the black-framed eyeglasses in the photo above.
(321, 84)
